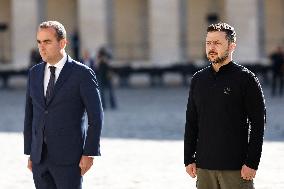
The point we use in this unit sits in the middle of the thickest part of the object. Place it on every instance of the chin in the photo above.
(213, 61)
(45, 59)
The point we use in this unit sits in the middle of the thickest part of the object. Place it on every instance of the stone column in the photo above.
(183, 37)
(243, 16)
(41, 11)
(92, 24)
(24, 26)
(164, 31)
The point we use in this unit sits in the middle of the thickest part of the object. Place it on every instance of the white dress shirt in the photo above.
(59, 65)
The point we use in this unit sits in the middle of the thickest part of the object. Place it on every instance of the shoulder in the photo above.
(247, 76)
(201, 73)
(37, 66)
(83, 70)
(243, 71)
(80, 67)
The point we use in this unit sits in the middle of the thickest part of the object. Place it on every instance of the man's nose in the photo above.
(212, 47)
(41, 47)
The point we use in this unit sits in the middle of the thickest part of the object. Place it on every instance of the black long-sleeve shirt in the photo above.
(225, 119)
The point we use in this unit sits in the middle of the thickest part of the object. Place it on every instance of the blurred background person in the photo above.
(277, 61)
(35, 57)
(104, 76)
(88, 60)
(75, 44)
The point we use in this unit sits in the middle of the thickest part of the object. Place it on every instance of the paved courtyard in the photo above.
(142, 145)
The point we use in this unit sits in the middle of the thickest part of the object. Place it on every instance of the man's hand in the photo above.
(247, 173)
(191, 170)
(85, 164)
(30, 164)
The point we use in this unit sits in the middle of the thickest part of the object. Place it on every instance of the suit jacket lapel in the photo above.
(64, 74)
(40, 83)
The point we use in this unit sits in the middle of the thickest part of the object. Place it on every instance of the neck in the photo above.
(57, 58)
(217, 66)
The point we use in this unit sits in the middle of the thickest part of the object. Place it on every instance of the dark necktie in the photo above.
(50, 86)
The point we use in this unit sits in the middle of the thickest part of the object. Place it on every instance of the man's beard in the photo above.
(218, 60)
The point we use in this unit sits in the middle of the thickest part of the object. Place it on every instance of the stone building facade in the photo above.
(152, 32)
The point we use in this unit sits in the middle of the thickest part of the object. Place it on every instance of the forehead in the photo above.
(46, 33)
(216, 35)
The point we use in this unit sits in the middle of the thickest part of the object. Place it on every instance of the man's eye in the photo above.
(218, 43)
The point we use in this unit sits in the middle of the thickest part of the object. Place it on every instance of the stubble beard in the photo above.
(218, 60)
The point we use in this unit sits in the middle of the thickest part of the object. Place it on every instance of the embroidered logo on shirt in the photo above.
(227, 90)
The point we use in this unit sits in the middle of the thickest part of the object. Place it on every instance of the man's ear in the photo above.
(63, 43)
(232, 46)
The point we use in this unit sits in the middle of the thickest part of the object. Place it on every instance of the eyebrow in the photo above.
(212, 40)
(46, 40)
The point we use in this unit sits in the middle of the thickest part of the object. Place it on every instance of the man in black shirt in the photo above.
(225, 118)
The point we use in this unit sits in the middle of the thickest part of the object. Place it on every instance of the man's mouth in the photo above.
(212, 53)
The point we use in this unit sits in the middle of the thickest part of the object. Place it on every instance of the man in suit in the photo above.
(60, 93)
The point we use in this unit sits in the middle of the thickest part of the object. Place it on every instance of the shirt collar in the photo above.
(60, 64)
(224, 67)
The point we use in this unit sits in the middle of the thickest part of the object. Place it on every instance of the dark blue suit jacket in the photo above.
(62, 120)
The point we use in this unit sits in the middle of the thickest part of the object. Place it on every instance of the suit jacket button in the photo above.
(45, 112)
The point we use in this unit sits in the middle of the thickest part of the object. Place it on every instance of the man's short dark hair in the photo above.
(224, 27)
(59, 28)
